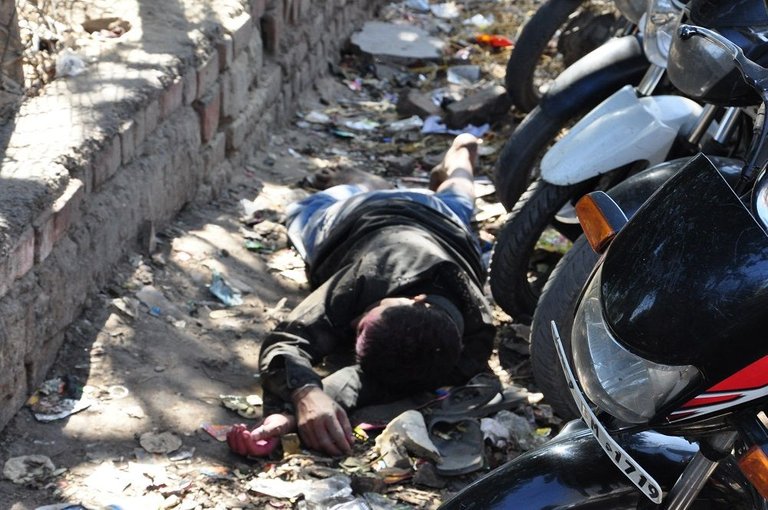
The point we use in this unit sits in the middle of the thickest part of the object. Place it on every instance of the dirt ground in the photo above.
(156, 349)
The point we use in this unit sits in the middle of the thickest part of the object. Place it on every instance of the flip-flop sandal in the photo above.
(460, 443)
(481, 396)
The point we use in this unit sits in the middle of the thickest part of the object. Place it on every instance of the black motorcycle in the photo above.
(667, 365)
(692, 72)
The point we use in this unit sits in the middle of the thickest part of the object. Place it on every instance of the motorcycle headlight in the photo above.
(631, 9)
(623, 384)
(659, 25)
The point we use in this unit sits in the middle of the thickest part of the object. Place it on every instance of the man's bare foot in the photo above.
(455, 157)
(328, 177)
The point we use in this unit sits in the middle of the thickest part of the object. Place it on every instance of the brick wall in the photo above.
(180, 143)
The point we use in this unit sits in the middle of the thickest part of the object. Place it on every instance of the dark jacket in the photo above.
(397, 248)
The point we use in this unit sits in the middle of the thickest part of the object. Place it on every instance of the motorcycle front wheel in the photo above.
(557, 303)
(516, 282)
(558, 34)
(518, 162)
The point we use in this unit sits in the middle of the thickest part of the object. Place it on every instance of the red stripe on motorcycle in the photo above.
(703, 400)
(751, 377)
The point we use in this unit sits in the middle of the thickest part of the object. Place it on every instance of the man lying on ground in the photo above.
(398, 281)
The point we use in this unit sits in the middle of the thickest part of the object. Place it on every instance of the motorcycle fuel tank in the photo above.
(686, 281)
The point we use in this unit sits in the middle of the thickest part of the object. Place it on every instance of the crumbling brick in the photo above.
(207, 74)
(107, 161)
(171, 98)
(226, 50)
(240, 29)
(208, 109)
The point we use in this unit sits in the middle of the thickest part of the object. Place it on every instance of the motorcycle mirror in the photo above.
(601, 219)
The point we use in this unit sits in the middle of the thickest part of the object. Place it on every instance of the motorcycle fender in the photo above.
(572, 471)
(621, 130)
(595, 76)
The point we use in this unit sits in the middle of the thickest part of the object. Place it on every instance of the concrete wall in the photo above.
(70, 208)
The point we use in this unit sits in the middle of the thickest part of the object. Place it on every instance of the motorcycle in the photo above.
(579, 88)
(691, 74)
(627, 132)
(666, 342)
(578, 26)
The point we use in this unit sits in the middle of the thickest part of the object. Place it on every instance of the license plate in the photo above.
(631, 469)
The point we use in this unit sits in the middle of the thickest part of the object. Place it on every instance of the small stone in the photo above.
(164, 442)
(415, 102)
(485, 106)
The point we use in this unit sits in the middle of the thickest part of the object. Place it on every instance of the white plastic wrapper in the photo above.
(69, 63)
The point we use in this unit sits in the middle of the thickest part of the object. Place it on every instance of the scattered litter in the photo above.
(182, 455)
(117, 392)
(413, 122)
(218, 432)
(553, 241)
(340, 133)
(494, 41)
(289, 264)
(291, 444)
(278, 311)
(295, 154)
(127, 305)
(484, 186)
(362, 125)
(463, 74)
(434, 124)
(480, 21)
(156, 302)
(56, 400)
(506, 427)
(216, 472)
(28, 469)
(400, 41)
(318, 494)
(245, 406)
(222, 290)
(448, 10)
(258, 246)
(277, 488)
(486, 211)
(164, 442)
(106, 27)
(69, 63)
(356, 84)
(316, 117)
(328, 492)
(410, 431)
(223, 314)
(418, 5)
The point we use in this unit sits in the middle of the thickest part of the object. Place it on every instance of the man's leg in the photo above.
(305, 218)
(453, 178)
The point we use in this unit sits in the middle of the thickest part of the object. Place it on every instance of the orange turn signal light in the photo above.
(754, 465)
(601, 219)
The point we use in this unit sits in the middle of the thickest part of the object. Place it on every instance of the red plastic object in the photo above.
(496, 41)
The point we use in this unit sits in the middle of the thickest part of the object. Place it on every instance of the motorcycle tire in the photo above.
(530, 45)
(557, 303)
(515, 166)
(577, 33)
(516, 241)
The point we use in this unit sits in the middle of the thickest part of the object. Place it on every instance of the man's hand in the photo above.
(262, 440)
(323, 424)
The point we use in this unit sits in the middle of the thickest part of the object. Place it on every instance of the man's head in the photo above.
(410, 344)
